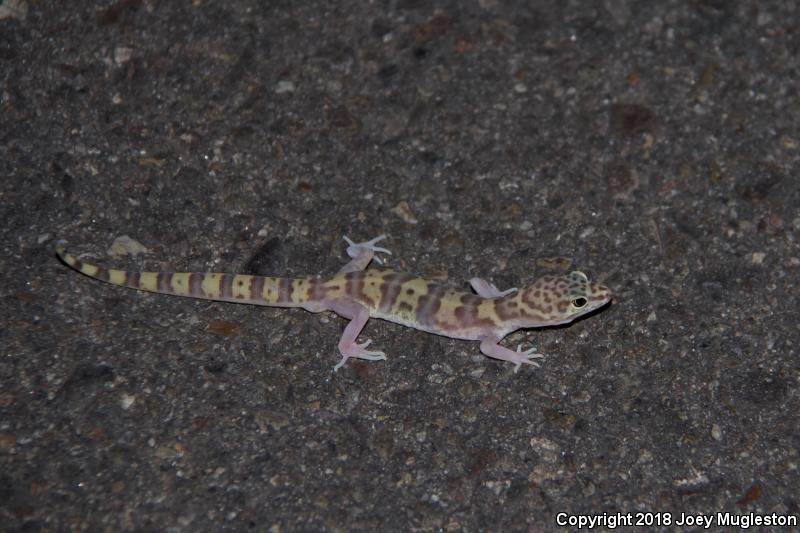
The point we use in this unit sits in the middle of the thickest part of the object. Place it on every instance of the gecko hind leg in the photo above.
(488, 290)
(348, 347)
(362, 253)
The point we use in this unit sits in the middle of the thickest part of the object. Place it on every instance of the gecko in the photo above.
(358, 293)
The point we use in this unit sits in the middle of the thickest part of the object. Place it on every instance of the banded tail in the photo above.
(239, 288)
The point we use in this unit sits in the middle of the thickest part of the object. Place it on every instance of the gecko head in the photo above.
(554, 300)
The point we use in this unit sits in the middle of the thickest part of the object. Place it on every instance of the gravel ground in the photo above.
(654, 146)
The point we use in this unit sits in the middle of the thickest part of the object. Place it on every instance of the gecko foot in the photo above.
(354, 249)
(358, 351)
(525, 357)
(489, 290)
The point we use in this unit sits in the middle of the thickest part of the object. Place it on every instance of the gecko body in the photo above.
(359, 293)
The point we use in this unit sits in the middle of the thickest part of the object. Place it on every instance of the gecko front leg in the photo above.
(491, 348)
(347, 344)
(488, 290)
(362, 253)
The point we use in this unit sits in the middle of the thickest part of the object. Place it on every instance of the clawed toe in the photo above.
(358, 351)
(526, 357)
(507, 291)
(367, 354)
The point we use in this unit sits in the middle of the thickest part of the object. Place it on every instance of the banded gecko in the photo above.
(358, 294)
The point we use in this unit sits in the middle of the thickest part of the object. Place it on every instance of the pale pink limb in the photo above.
(362, 253)
(491, 348)
(347, 344)
(488, 290)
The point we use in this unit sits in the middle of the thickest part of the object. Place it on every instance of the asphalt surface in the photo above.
(653, 146)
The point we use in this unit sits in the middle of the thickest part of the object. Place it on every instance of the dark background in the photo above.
(652, 145)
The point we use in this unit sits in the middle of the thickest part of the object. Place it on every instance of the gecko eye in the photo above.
(579, 302)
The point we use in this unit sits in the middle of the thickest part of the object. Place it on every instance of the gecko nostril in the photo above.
(579, 302)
